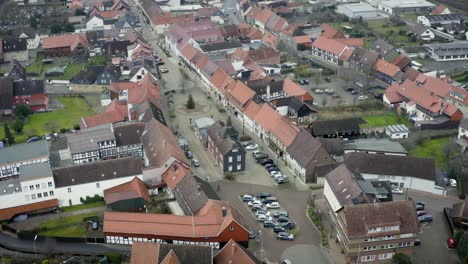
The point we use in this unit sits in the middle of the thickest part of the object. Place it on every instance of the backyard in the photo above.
(71, 226)
(383, 120)
(40, 124)
(432, 148)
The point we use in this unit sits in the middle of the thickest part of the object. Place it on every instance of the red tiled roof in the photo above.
(291, 88)
(329, 45)
(120, 86)
(284, 132)
(174, 174)
(386, 68)
(188, 51)
(8, 213)
(111, 14)
(170, 258)
(252, 109)
(264, 15)
(116, 111)
(61, 41)
(265, 53)
(270, 40)
(439, 9)
(282, 23)
(144, 252)
(330, 32)
(304, 40)
(346, 55)
(289, 30)
(135, 188)
(242, 94)
(147, 89)
(352, 42)
(267, 117)
(235, 254)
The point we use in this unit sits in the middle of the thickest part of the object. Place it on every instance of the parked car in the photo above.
(451, 243)
(280, 213)
(283, 219)
(327, 79)
(269, 224)
(397, 190)
(254, 202)
(160, 63)
(269, 165)
(47, 137)
(245, 144)
(419, 213)
(349, 89)
(33, 139)
(261, 156)
(262, 218)
(163, 70)
(278, 229)
(256, 208)
(195, 163)
(251, 234)
(263, 162)
(273, 205)
(453, 183)
(56, 135)
(256, 153)
(95, 225)
(304, 82)
(263, 195)
(362, 97)
(354, 92)
(188, 154)
(247, 198)
(425, 218)
(273, 168)
(251, 146)
(275, 173)
(269, 200)
(288, 225)
(260, 212)
(281, 180)
(419, 207)
(284, 236)
(318, 91)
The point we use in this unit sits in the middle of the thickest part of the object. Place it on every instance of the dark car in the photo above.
(256, 208)
(266, 161)
(278, 229)
(288, 225)
(269, 224)
(419, 207)
(420, 204)
(419, 213)
(269, 165)
(425, 218)
(263, 195)
(269, 200)
(283, 219)
(327, 79)
(349, 89)
(188, 154)
(33, 139)
(261, 157)
(280, 213)
(417, 242)
(272, 168)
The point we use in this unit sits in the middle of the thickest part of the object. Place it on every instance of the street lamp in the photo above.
(34, 245)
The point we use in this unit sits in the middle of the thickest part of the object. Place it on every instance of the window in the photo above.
(371, 239)
(39, 195)
(49, 184)
(369, 248)
(230, 159)
(404, 244)
(387, 246)
(386, 256)
(239, 157)
(45, 194)
(38, 186)
(231, 228)
(51, 193)
(69, 189)
(239, 167)
(367, 258)
(389, 237)
(98, 185)
(31, 187)
(33, 196)
(230, 168)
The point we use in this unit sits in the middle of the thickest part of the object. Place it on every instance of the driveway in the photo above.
(433, 235)
(295, 202)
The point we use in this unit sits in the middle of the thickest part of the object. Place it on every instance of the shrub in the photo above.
(22, 110)
(63, 130)
(113, 258)
(88, 199)
(229, 176)
(18, 125)
(400, 258)
(76, 127)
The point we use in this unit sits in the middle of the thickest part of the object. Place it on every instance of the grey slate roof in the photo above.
(382, 47)
(6, 93)
(129, 133)
(422, 168)
(304, 148)
(28, 87)
(343, 183)
(464, 123)
(223, 142)
(10, 186)
(35, 171)
(24, 151)
(87, 76)
(189, 195)
(187, 253)
(220, 46)
(16, 71)
(374, 144)
(331, 127)
(97, 171)
(87, 139)
(333, 146)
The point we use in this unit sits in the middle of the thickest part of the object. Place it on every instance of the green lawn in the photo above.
(72, 226)
(98, 60)
(83, 206)
(383, 120)
(70, 71)
(40, 124)
(36, 66)
(432, 148)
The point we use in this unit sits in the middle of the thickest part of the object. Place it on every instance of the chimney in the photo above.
(174, 167)
(223, 212)
(268, 93)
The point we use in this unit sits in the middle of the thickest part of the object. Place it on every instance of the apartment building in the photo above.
(12, 158)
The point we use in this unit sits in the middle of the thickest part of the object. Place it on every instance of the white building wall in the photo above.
(462, 132)
(295, 167)
(94, 22)
(331, 198)
(408, 182)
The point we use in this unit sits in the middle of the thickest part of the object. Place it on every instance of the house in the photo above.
(448, 51)
(363, 60)
(155, 253)
(347, 128)
(304, 154)
(232, 252)
(220, 47)
(161, 21)
(442, 19)
(441, 10)
(213, 14)
(374, 146)
(265, 55)
(29, 34)
(116, 48)
(462, 138)
(115, 112)
(454, 28)
(141, 68)
(358, 10)
(328, 50)
(202, 125)
(15, 48)
(228, 154)
(384, 49)
(397, 7)
(6, 96)
(88, 76)
(387, 72)
(15, 71)
(422, 32)
(403, 171)
(131, 196)
(109, 74)
(15, 156)
(31, 93)
(295, 109)
(397, 131)
(65, 45)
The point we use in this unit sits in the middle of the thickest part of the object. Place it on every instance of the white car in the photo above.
(262, 218)
(254, 202)
(47, 137)
(273, 205)
(275, 173)
(260, 212)
(362, 97)
(251, 147)
(453, 183)
(397, 190)
(318, 91)
(276, 177)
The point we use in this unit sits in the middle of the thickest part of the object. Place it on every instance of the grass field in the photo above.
(36, 66)
(432, 148)
(384, 120)
(40, 124)
(72, 226)
(83, 206)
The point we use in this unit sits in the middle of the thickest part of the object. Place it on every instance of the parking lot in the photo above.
(433, 235)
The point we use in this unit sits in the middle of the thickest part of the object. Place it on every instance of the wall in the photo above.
(462, 132)
(330, 197)
(19, 55)
(87, 88)
(407, 182)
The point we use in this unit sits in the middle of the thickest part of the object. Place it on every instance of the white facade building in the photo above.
(358, 10)
(397, 131)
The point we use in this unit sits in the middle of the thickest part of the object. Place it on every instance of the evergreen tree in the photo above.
(8, 135)
(190, 102)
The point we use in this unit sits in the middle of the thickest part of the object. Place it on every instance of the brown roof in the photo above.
(234, 253)
(402, 61)
(329, 45)
(342, 182)
(264, 15)
(60, 41)
(264, 53)
(242, 94)
(8, 213)
(135, 188)
(331, 32)
(291, 88)
(160, 144)
(170, 258)
(439, 9)
(386, 68)
(115, 112)
(174, 174)
(411, 73)
(144, 252)
(304, 148)
(360, 218)
(147, 89)
(270, 39)
(188, 51)
(302, 39)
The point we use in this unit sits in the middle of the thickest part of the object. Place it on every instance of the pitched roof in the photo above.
(267, 117)
(291, 88)
(155, 253)
(222, 143)
(331, 127)
(284, 131)
(160, 144)
(402, 61)
(342, 182)
(116, 111)
(382, 47)
(145, 252)
(439, 9)
(423, 168)
(135, 188)
(6, 93)
(331, 32)
(329, 45)
(61, 41)
(16, 71)
(386, 68)
(28, 87)
(188, 51)
(170, 258)
(305, 39)
(263, 53)
(189, 195)
(97, 171)
(88, 75)
(147, 89)
(242, 94)
(270, 40)
(87, 139)
(352, 42)
(129, 133)
(304, 148)
(24, 152)
(8, 213)
(360, 218)
(464, 123)
(234, 253)
(174, 174)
